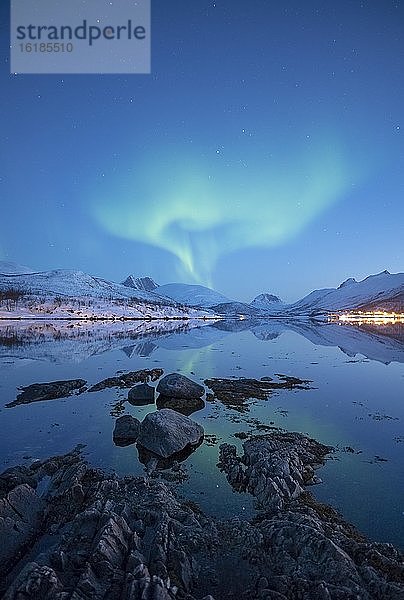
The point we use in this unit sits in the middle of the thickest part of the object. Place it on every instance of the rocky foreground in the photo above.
(70, 531)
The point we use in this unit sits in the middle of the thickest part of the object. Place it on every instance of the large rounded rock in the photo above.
(126, 430)
(141, 395)
(179, 386)
(167, 432)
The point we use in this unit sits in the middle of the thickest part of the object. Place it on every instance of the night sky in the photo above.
(265, 152)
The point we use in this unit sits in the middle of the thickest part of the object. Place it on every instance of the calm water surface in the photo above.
(356, 401)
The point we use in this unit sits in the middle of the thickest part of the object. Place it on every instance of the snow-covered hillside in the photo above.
(74, 294)
(70, 283)
(376, 291)
(192, 295)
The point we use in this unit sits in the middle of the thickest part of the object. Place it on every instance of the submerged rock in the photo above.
(126, 430)
(126, 380)
(141, 395)
(179, 386)
(235, 393)
(167, 432)
(47, 391)
(181, 405)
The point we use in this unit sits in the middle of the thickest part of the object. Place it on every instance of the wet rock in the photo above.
(181, 405)
(20, 512)
(179, 386)
(122, 539)
(47, 391)
(133, 538)
(167, 432)
(126, 430)
(141, 394)
(235, 393)
(275, 467)
(15, 476)
(35, 582)
(126, 380)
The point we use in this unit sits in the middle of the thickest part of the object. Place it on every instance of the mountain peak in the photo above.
(349, 281)
(146, 284)
(265, 300)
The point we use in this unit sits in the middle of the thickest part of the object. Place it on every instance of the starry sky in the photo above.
(265, 151)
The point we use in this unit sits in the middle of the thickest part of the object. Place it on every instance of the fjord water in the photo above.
(355, 403)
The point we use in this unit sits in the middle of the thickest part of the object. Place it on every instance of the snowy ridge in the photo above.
(376, 290)
(192, 295)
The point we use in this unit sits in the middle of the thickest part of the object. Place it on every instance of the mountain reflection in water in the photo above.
(61, 341)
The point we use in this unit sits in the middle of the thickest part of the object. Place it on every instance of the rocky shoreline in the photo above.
(70, 531)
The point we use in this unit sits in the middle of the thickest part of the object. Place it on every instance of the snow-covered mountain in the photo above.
(383, 291)
(13, 268)
(79, 295)
(74, 294)
(267, 302)
(69, 283)
(146, 284)
(192, 295)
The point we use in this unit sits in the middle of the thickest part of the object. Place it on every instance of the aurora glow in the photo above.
(264, 153)
(200, 213)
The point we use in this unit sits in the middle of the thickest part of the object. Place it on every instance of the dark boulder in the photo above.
(179, 386)
(167, 432)
(141, 395)
(126, 430)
